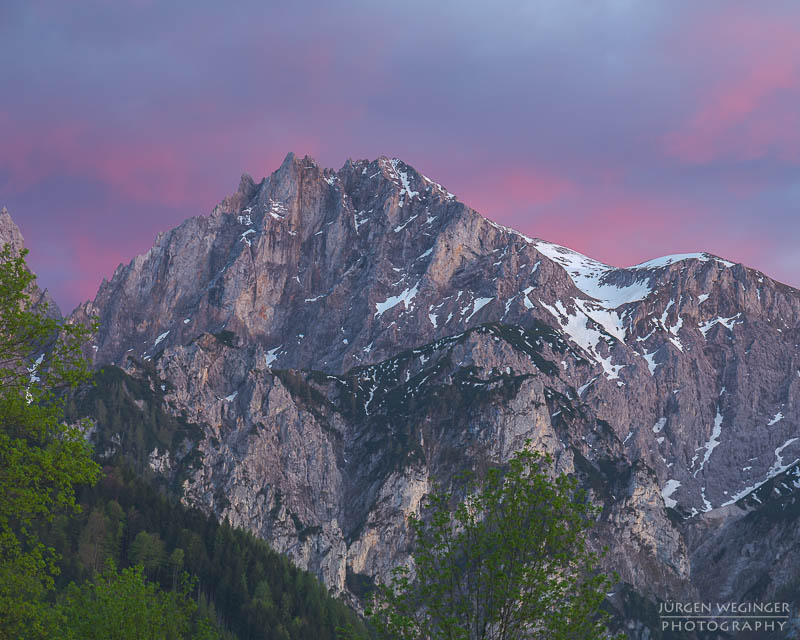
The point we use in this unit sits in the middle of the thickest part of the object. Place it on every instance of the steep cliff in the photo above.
(343, 339)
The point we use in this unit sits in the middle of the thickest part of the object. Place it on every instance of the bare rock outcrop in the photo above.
(347, 338)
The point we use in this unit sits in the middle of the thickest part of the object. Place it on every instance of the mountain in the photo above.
(339, 340)
(242, 587)
(10, 233)
(12, 236)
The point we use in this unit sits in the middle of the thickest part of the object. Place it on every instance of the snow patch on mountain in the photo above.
(650, 358)
(579, 328)
(244, 237)
(668, 490)
(777, 468)
(405, 297)
(272, 355)
(160, 338)
(477, 305)
(276, 209)
(712, 443)
(665, 261)
(590, 276)
(725, 322)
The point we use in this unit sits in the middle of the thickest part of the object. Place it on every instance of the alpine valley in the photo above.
(327, 345)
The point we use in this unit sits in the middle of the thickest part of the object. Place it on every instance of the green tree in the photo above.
(511, 561)
(116, 522)
(41, 458)
(148, 550)
(124, 606)
(94, 545)
(175, 563)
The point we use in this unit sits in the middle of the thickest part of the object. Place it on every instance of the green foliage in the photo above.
(124, 606)
(129, 416)
(249, 589)
(510, 561)
(41, 458)
(147, 550)
(47, 541)
(229, 564)
(228, 338)
(42, 462)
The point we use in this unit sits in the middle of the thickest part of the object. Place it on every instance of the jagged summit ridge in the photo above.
(314, 226)
(378, 288)
(324, 269)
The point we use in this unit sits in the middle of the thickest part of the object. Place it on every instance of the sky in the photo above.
(624, 129)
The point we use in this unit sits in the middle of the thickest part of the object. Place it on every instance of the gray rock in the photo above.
(374, 335)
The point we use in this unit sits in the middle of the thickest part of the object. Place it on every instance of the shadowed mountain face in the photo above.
(344, 338)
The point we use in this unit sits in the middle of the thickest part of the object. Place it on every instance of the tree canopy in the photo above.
(124, 606)
(57, 575)
(41, 457)
(510, 561)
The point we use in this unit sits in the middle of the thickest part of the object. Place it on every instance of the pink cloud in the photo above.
(749, 109)
(617, 228)
(187, 171)
(622, 227)
(91, 262)
(512, 189)
(141, 170)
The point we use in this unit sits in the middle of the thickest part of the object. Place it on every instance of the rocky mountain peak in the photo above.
(247, 187)
(9, 232)
(345, 336)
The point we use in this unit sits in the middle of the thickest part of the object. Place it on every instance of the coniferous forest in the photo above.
(247, 589)
(250, 590)
(89, 549)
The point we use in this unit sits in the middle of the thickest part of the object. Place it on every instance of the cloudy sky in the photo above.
(624, 129)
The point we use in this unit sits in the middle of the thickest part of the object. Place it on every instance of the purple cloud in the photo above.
(625, 130)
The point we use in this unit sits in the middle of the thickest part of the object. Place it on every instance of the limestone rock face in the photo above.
(10, 233)
(346, 338)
